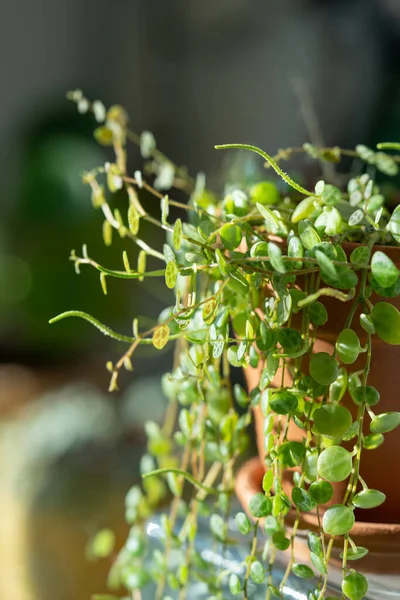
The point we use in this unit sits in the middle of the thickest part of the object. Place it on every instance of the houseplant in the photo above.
(256, 277)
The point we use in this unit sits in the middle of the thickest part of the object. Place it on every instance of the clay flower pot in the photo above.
(376, 465)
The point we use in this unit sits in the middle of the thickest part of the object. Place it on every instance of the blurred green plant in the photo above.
(243, 269)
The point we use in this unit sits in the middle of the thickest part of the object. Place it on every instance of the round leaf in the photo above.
(384, 271)
(302, 499)
(348, 346)
(360, 255)
(317, 313)
(334, 463)
(160, 336)
(280, 541)
(332, 420)
(264, 192)
(260, 506)
(385, 422)
(257, 572)
(373, 441)
(360, 552)
(283, 403)
(243, 523)
(386, 320)
(323, 368)
(369, 499)
(290, 339)
(355, 586)
(231, 236)
(321, 491)
(367, 394)
(235, 587)
(303, 571)
(338, 520)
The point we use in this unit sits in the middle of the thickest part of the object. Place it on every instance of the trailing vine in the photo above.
(248, 273)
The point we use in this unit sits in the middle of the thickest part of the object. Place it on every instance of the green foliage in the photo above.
(247, 275)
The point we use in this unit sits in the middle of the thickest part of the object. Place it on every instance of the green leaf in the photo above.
(271, 221)
(348, 346)
(303, 210)
(283, 403)
(373, 441)
(386, 164)
(243, 523)
(360, 255)
(308, 235)
(335, 463)
(385, 422)
(338, 520)
(280, 541)
(323, 368)
(360, 552)
(235, 586)
(264, 192)
(210, 310)
(317, 313)
(257, 572)
(326, 264)
(241, 395)
(303, 571)
(102, 545)
(268, 480)
(231, 236)
(355, 586)
(367, 394)
(366, 323)
(320, 491)
(302, 499)
(345, 278)
(331, 195)
(291, 454)
(365, 153)
(356, 217)
(296, 249)
(218, 526)
(290, 339)
(338, 388)
(314, 543)
(161, 336)
(177, 234)
(318, 563)
(384, 271)
(386, 320)
(332, 420)
(171, 274)
(260, 506)
(394, 224)
(275, 258)
(369, 499)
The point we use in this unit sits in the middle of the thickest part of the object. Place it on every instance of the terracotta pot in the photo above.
(382, 540)
(376, 465)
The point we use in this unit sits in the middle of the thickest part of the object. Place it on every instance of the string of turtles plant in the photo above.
(241, 269)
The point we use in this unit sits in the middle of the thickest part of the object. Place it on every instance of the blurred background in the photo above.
(195, 74)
